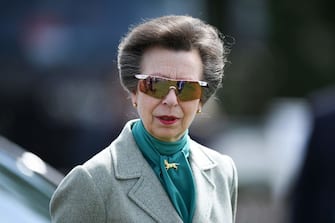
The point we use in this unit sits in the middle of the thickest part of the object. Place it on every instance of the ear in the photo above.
(133, 97)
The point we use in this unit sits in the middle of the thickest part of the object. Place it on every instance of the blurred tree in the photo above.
(283, 49)
(303, 41)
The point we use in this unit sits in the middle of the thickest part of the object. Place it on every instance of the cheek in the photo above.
(190, 108)
(146, 104)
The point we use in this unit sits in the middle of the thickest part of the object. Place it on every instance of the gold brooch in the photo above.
(170, 165)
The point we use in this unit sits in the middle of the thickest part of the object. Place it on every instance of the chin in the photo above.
(169, 138)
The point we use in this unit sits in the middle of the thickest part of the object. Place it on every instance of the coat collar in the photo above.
(201, 165)
(129, 163)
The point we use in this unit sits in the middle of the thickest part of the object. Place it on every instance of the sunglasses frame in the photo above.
(177, 85)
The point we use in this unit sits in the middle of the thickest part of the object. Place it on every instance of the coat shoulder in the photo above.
(215, 157)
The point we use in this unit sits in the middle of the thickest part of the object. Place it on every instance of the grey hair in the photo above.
(176, 33)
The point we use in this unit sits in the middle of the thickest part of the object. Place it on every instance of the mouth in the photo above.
(167, 119)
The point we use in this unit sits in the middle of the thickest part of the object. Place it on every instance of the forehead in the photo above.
(186, 65)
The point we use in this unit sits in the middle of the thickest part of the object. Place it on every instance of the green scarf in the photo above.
(177, 179)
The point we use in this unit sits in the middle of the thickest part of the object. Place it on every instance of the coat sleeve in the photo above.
(77, 199)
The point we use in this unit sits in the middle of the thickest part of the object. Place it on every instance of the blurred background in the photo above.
(60, 96)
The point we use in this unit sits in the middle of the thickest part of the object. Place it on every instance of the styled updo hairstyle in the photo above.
(175, 33)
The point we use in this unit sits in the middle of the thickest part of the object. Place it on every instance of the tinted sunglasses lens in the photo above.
(159, 88)
(188, 90)
(155, 87)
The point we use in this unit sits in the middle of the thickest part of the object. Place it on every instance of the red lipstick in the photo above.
(167, 120)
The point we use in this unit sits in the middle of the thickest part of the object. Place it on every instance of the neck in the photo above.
(162, 147)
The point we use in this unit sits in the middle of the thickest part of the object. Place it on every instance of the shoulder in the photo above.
(95, 179)
(108, 159)
(208, 159)
(88, 176)
(214, 156)
(68, 203)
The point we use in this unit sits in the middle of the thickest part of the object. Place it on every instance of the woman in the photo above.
(154, 172)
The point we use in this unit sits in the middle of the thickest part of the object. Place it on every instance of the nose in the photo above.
(171, 98)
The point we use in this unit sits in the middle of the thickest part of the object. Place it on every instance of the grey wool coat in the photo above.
(118, 185)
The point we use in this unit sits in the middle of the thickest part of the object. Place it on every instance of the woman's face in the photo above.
(167, 119)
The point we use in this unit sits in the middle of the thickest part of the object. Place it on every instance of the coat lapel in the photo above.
(147, 193)
(201, 165)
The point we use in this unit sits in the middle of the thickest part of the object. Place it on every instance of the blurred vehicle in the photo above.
(26, 185)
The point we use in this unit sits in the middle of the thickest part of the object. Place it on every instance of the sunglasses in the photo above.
(159, 87)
